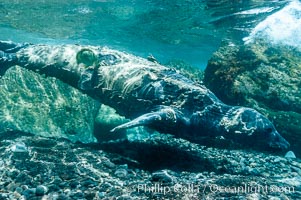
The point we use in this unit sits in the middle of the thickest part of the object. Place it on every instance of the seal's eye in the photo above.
(268, 130)
(87, 57)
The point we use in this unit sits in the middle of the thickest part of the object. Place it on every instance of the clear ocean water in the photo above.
(57, 143)
(188, 30)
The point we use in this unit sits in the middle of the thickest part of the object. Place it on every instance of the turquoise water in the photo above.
(94, 163)
(188, 30)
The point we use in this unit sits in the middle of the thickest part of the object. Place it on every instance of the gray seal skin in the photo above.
(146, 92)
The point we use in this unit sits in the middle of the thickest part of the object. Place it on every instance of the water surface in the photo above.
(189, 30)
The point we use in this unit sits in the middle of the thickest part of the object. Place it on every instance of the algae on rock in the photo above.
(263, 76)
(45, 106)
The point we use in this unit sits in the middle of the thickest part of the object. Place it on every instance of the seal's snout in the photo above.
(278, 142)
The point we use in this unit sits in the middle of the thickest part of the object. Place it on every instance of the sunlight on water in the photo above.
(185, 30)
(282, 27)
(213, 113)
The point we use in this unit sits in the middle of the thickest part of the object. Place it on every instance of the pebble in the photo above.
(105, 186)
(162, 177)
(21, 177)
(109, 164)
(77, 195)
(19, 147)
(67, 191)
(290, 154)
(89, 183)
(74, 184)
(13, 174)
(101, 194)
(62, 197)
(1, 163)
(253, 196)
(53, 187)
(17, 195)
(121, 173)
(3, 196)
(12, 186)
(254, 171)
(124, 197)
(295, 181)
(56, 180)
(19, 190)
(24, 187)
(29, 192)
(125, 166)
(41, 190)
(247, 170)
(63, 184)
(296, 169)
(89, 194)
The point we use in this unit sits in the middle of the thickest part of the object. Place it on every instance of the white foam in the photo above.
(255, 11)
(282, 27)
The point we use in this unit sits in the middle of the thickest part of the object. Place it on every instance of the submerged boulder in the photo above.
(107, 119)
(262, 76)
(43, 106)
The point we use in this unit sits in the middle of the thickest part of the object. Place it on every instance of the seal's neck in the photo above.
(207, 121)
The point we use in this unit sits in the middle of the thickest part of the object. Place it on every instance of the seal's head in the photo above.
(247, 126)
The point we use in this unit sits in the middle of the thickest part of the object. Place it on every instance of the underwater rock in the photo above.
(45, 106)
(107, 119)
(262, 76)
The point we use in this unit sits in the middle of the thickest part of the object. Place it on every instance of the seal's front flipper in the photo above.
(163, 119)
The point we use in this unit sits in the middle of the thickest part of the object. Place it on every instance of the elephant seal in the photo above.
(146, 92)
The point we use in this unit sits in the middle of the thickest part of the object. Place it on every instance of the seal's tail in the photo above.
(11, 47)
(8, 56)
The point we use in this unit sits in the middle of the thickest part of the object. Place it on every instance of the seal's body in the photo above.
(148, 93)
